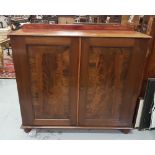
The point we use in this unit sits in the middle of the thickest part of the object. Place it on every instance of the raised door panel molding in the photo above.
(52, 74)
(109, 83)
(50, 80)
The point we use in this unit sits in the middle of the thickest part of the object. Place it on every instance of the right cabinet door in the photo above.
(111, 72)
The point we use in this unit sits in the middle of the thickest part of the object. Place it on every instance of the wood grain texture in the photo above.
(78, 82)
(73, 127)
(110, 81)
(50, 74)
(20, 60)
(80, 26)
(149, 71)
(79, 31)
(151, 65)
(52, 70)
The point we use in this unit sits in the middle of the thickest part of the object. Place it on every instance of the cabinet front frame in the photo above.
(20, 46)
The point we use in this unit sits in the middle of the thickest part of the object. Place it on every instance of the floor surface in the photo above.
(10, 122)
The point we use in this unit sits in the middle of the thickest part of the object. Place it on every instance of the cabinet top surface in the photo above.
(118, 31)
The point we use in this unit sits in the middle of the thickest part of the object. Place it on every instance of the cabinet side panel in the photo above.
(149, 70)
(22, 78)
(136, 74)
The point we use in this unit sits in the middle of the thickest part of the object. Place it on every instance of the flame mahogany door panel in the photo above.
(110, 77)
(51, 68)
(78, 81)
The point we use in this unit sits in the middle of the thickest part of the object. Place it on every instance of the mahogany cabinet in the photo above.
(78, 76)
(149, 71)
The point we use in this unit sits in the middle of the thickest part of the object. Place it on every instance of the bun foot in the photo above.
(125, 131)
(27, 130)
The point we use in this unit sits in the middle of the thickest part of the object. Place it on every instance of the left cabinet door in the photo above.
(47, 72)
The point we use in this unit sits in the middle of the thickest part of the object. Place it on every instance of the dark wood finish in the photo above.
(149, 71)
(109, 31)
(80, 27)
(75, 127)
(125, 131)
(27, 130)
(110, 70)
(51, 80)
(23, 79)
(83, 79)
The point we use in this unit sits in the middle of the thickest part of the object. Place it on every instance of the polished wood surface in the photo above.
(75, 127)
(149, 71)
(23, 79)
(79, 27)
(50, 74)
(78, 31)
(110, 81)
(52, 79)
(53, 70)
(151, 65)
(78, 82)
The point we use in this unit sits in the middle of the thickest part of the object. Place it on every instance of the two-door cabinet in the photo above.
(78, 76)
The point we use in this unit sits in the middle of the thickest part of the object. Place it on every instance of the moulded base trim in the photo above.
(73, 127)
